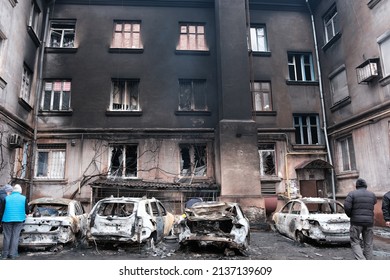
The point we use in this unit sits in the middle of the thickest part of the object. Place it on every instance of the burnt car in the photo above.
(53, 222)
(128, 220)
(218, 224)
(321, 220)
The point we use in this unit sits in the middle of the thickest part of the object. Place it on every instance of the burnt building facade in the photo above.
(178, 99)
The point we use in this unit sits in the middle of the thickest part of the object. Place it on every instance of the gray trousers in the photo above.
(11, 233)
(366, 240)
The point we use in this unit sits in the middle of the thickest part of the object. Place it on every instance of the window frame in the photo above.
(122, 41)
(261, 92)
(123, 165)
(347, 154)
(192, 155)
(126, 95)
(330, 19)
(27, 79)
(382, 41)
(62, 95)
(263, 151)
(305, 125)
(62, 24)
(188, 37)
(197, 94)
(255, 43)
(341, 92)
(300, 66)
(49, 166)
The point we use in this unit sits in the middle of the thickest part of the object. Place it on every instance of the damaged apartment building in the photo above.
(218, 99)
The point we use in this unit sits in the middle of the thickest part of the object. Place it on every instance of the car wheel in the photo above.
(300, 237)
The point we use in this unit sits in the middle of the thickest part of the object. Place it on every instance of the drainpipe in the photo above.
(38, 97)
(322, 99)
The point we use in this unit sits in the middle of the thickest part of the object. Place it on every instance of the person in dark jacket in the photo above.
(386, 208)
(359, 206)
(4, 191)
(13, 217)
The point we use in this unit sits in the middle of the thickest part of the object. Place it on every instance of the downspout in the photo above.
(38, 97)
(250, 53)
(322, 99)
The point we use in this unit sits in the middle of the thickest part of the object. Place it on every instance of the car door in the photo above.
(82, 218)
(292, 219)
(281, 216)
(168, 218)
(158, 219)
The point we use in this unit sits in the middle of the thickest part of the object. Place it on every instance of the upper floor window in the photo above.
(62, 34)
(348, 162)
(307, 129)
(193, 161)
(26, 84)
(192, 96)
(50, 161)
(56, 96)
(261, 93)
(125, 95)
(300, 67)
(192, 37)
(338, 85)
(34, 21)
(331, 24)
(384, 45)
(123, 160)
(258, 39)
(267, 159)
(127, 34)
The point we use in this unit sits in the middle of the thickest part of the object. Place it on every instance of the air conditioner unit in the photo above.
(15, 140)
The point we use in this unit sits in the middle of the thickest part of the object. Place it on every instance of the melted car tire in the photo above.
(300, 237)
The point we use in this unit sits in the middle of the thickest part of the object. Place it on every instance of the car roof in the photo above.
(52, 200)
(313, 199)
(212, 204)
(125, 199)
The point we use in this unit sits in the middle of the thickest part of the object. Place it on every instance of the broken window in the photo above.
(56, 96)
(25, 88)
(261, 93)
(193, 160)
(258, 39)
(267, 159)
(127, 34)
(192, 37)
(331, 24)
(300, 67)
(21, 167)
(62, 34)
(116, 209)
(307, 129)
(50, 162)
(347, 154)
(124, 161)
(125, 95)
(192, 95)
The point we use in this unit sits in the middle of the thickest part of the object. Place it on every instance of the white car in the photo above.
(321, 220)
(52, 222)
(128, 220)
(220, 224)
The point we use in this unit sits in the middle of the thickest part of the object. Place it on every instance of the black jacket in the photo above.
(359, 206)
(386, 206)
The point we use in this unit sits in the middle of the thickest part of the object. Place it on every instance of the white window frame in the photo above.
(296, 62)
(120, 171)
(262, 97)
(127, 35)
(192, 95)
(125, 95)
(384, 46)
(62, 30)
(331, 25)
(192, 37)
(53, 162)
(258, 38)
(347, 154)
(338, 84)
(25, 89)
(265, 150)
(306, 128)
(59, 93)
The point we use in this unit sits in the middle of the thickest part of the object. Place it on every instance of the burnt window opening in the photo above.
(192, 96)
(125, 95)
(267, 159)
(124, 161)
(193, 160)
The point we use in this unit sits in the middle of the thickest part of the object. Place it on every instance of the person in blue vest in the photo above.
(13, 216)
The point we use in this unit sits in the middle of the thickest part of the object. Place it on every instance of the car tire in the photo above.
(300, 237)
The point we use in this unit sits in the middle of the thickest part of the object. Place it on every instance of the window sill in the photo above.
(308, 147)
(270, 179)
(265, 113)
(56, 113)
(340, 104)
(332, 41)
(25, 104)
(125, 50)
(373, 3)
(353, 174)
(60, 50)
(123, 113)
(262, 54)
(192, 113)
(191, 52)
(385, 81)
(33, 36)
(302, 83)
(44, 181)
